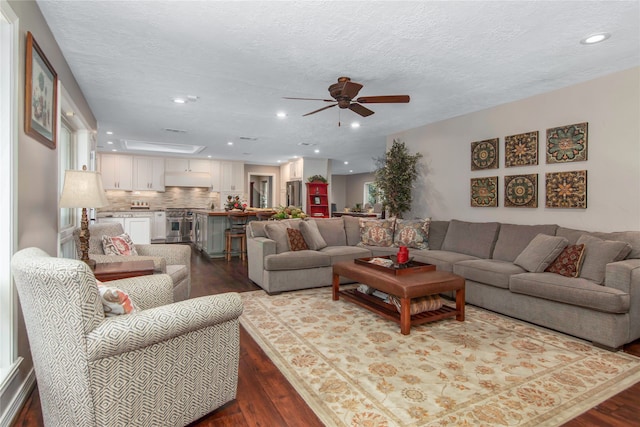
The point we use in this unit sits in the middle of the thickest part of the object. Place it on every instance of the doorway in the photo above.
(261, 194)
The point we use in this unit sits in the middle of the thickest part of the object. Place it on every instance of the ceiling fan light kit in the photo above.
(343, 93)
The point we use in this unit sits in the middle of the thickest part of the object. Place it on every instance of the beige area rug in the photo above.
(354, 368)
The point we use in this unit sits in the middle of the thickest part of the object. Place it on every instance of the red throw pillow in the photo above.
(569, 261)
(296, 241)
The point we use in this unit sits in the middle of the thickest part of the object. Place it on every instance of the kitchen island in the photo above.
(209, 230)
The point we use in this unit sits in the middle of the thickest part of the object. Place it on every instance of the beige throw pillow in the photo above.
(541, 252)
(597, 254)
(277, 232)
(312, 236)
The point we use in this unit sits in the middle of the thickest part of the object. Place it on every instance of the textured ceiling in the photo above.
(240, 58)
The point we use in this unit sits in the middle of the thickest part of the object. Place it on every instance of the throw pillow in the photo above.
(332, 231)
(115, 302)
(296, 240)
(598, 253)
(118, 245)
(376, 232)
(277, 232)
(568, 262)
(312, 236)
(412, 233)
(540, 252)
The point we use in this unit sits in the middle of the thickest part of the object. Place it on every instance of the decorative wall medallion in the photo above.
(521, 150)
(484, 192)
(567, 189)
(484, 154)
(521, 191)
(567, 143)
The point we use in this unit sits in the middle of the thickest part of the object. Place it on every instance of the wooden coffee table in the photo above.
(405, 287)
(121, 270)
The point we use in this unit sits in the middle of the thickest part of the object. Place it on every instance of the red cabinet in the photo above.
(318, 199)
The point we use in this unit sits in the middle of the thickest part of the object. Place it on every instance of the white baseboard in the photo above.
(18, 400)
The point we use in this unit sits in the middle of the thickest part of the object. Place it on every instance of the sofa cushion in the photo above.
(118, 245)
(443, 260)
(541, 252)
(177, 272)
(437, 233)
(312, 236)
(332, 231)
(296, 240)
(376, 232)
(412, 233)
(352, 229)
(488, 271)
(569, 261)
(345, 253)
(513, 238)
(471, 238)
(298, 260)
(277, 231)
(631, 237)
(575, 291)
(597, 254)
(258, 228)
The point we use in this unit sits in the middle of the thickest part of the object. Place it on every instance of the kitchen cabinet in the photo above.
(116, 170)
(148, 173)
(232, 177)
(295, 169)
(214, 170)
(187, 165)
(137, 227)
(159, 227)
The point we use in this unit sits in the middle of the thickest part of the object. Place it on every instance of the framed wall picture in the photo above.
(484, 154)
(316, 200)
(567, 143)
(521, 191)
(41, 95)
(567, 189)
(521, 149)
(484, 192)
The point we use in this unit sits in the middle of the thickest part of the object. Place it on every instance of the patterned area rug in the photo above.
(354, 368)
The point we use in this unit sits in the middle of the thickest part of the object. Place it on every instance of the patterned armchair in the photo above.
(167, 364)
(175, 260)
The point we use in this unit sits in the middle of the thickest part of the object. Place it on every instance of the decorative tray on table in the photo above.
(388, 264)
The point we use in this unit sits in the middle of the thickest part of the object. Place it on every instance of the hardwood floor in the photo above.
(265, 397)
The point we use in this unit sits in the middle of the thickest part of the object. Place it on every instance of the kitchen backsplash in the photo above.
(173, 197)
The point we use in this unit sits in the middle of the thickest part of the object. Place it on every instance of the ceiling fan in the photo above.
(345, 91)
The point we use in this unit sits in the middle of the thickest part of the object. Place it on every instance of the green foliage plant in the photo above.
(396, 171)
(317, 178)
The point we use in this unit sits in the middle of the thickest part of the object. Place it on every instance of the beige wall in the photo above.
(37, 164)
(611, 106)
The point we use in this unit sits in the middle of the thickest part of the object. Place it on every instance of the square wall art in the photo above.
(567, 143)
(521, 150)
(484, 192)
(521, 191)
(567, 189)
(484, 154)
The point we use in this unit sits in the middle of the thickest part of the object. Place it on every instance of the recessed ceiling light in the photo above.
(295, 157)
(279, 161)
(595, 38)
(110, 142)
(179, 100)
(316, 151)
(229, 143)
(355, 125)
(350, 170)
(109, 132)
(114, 150)
(209, 156)
(281, 114)
(346, 163)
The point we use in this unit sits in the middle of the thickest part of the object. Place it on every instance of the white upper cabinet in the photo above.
(187, 165)
(295, 169)
(215, 175)
(148, 173)
(232, 177)
(116, 170)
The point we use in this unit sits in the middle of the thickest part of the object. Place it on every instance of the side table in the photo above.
(121, 270)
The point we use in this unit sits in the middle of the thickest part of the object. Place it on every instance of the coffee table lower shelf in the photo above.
(389, 311)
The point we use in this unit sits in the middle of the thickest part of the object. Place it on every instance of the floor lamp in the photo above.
(83, 189)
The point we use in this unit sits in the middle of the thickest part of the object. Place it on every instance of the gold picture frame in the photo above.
(41, 96)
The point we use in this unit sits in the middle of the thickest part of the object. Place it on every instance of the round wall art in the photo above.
(521, 191)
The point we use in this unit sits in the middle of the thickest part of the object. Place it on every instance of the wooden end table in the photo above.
(121, 270)
(405, 287)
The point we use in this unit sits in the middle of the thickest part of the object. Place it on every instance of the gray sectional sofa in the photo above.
(503, 265)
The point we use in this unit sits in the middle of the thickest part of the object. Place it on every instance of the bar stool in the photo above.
(236, 230)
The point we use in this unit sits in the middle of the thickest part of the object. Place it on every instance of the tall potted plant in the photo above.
(394, 178)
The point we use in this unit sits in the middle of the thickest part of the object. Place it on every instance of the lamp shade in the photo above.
(83, 189)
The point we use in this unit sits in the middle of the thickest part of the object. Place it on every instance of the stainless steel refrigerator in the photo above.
(294, 193)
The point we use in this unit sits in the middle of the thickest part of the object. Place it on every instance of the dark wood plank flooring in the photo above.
(265, 397)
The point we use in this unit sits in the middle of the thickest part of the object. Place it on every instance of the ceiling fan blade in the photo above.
(357, 108)
(320, 109)
(351, 89)
(383, 99)
(310, 99)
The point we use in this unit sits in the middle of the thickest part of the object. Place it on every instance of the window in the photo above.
(8, 157)
(370, 194)
(67, 218)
